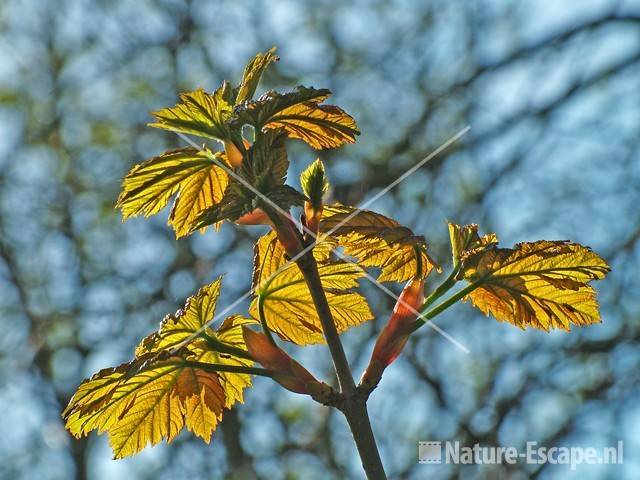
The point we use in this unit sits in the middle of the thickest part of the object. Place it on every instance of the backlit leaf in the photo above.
(288, 306)
(193, 174)
(199, 113)
(252, 74)
(265, 170)
(193, 319)
(378, 241)
(167, 386)
(234, 205)
(321, 126)
(230, 333)
(146, 401)
(540, 284)
(259, 112)
(301, 116)
(199, 309)
(286, 197)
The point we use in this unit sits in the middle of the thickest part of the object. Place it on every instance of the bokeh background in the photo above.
(550, 90)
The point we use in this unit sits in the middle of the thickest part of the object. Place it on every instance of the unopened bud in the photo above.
(395, 334)
(314, 185)
(288, 236)
(287, 372)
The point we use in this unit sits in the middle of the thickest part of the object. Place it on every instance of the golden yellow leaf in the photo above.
(288, 307)
(199, 113)
(203, 190)
(321, 126)
(191, 173)
(145, 401)
(191, 320)
(540, 284)
(177, 328)
(301, 116)
(168, 385)
(230, 333)
(378, 241)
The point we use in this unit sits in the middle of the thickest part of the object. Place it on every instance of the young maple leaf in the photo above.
(167, 387)
(543, 284)
(286, 301)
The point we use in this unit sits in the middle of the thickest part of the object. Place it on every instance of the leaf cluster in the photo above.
(187, 372)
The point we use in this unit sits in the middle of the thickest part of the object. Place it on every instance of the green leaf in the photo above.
(266, 162)
(252, 74)
(199, 113)
(299, 114)
(284, 197)
(265, 169)
(233, 207)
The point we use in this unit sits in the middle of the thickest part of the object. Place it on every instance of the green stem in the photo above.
(441, 289)
(441, 307)
(222, 347)
(215, 367)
